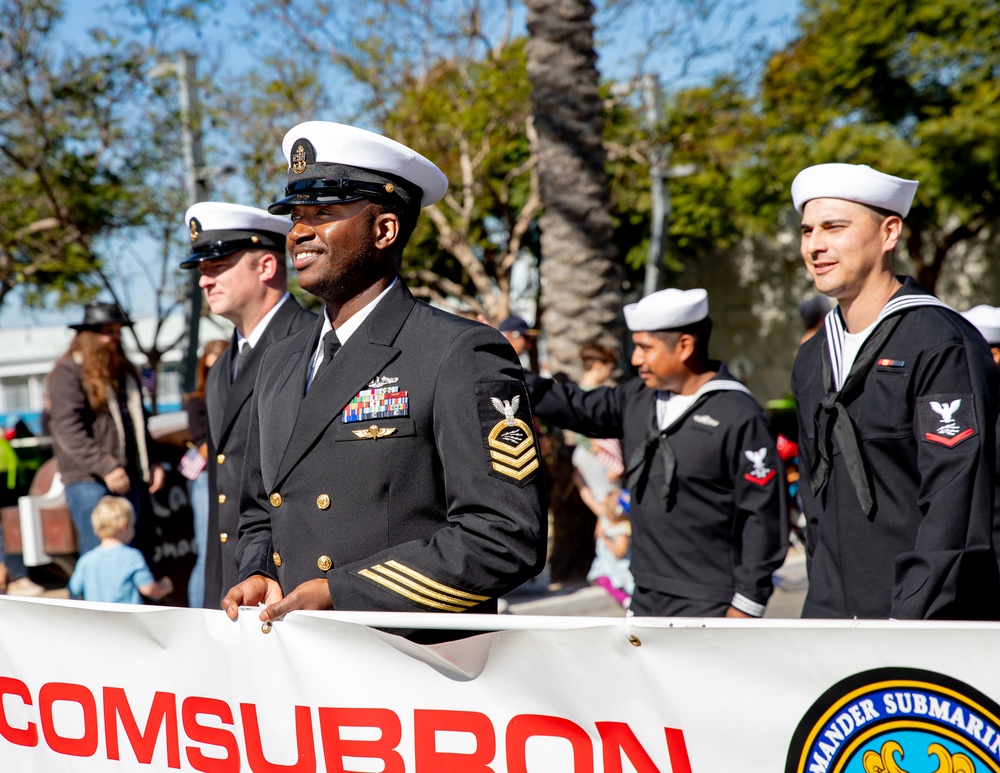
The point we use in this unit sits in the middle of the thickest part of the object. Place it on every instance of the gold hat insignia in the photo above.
(194, 229)
(299, 160)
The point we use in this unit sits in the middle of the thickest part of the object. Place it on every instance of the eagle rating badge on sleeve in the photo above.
(759, 472)
(948, 419)
(510, 440)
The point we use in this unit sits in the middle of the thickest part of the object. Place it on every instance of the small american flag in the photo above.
(609, 453)
(191, 464)
(147, 377)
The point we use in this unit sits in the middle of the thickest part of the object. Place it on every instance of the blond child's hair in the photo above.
(615, 504)
(112, 516)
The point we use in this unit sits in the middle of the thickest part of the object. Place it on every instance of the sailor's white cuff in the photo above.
(746, 606)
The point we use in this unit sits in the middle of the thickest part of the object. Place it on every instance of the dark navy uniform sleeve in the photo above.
(954, 421)
(595, 413)
(255, 549)
(762, 512)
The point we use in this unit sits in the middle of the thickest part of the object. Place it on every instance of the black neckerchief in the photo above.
(637, 471)
(830, 418)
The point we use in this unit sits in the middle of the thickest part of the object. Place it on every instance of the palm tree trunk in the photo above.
(581, 285)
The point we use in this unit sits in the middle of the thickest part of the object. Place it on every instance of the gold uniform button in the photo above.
(276, 557)
(276, 499)
(324, 563)
(221, 458)
(222, 499)
(223, 537)
(322, 501)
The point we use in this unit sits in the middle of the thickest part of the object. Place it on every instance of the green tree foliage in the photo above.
(69, 167)
(446, 79)
(710, 131)
(911, 88)
(472, 118)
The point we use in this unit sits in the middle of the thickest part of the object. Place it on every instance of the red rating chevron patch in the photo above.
(947, 420)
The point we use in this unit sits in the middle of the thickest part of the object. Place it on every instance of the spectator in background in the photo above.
(14, 580)
(613, 549)
(813, 311)
(114, 572)
(98, 423)
(597, 462)
(196, 468)
(522, 338)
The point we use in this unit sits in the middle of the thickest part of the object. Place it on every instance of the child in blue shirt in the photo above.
(114, 571)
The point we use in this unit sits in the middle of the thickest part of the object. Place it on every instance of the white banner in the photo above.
(98, 687)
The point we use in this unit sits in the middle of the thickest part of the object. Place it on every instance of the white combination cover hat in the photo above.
(986, 319)
(218, 229)
(667, 310)
(332, 163)
(853, 182)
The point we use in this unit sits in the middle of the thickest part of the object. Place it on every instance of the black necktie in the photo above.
(244, 356)
(242, 360)
(331, 345)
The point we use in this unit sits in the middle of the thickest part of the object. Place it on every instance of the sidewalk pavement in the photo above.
(539, 597)
(589, 601)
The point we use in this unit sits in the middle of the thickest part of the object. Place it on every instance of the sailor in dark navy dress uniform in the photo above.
(240, 252)
(709, 518)
(897, 407)
(391, 462)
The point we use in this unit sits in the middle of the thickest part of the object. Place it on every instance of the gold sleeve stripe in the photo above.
(406, 594)
(514, 461)
(419, 589)
(516, 474)
(433, 584)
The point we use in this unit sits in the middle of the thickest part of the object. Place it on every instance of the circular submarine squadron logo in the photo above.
(898, 720)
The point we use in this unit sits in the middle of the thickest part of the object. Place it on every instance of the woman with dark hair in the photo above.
(97, 421)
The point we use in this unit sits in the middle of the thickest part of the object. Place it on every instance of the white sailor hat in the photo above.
(330, 163)
(853, 182)
(667, 310)
(986, 319)
(218, 229)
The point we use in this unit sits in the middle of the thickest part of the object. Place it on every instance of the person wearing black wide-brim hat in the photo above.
(98, 422)
(98, 314)
(391, 462)
(239, 252)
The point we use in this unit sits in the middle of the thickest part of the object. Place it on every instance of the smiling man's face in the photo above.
(846, 245)
(335, 249)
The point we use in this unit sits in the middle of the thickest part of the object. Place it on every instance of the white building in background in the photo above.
(28, 354)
